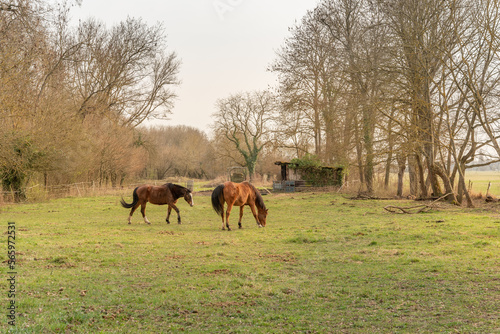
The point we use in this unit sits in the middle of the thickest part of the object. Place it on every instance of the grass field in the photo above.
(323, 264)
(480, 180)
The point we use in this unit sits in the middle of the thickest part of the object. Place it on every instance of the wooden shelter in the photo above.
(292, 178)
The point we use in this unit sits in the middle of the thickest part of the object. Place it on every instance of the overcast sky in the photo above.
(225, 46)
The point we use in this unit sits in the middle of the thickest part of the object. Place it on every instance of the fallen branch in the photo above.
(368, 197)
(394, 209)
(420, 208)
(265, 191)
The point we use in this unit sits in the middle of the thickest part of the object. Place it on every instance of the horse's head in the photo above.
(262, 215)
(188, 196)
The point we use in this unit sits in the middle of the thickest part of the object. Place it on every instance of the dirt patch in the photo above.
(230, 304)
(217, 272)
(287, 257)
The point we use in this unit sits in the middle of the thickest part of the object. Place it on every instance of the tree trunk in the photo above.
(329, 139)
(461, 180)
(439, 171)
(251, 163)
(388, 170)
(368, 143)
(421, 178)
(317, 121)
(359, 155)
(401, 173)
(389, 155)
(412, 170)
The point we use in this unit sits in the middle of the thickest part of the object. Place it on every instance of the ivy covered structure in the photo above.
(307, 171)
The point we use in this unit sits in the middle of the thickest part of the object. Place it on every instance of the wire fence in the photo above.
(39, 192)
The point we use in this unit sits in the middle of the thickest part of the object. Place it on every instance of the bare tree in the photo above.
(178, 150)
(468, 90)
(246, 120)
(300, 65)
(422, 31)
(356, 26)
(124, 73)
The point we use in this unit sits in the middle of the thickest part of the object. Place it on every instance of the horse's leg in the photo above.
(252, 207)
(178, 213)
(168, 214)
(132, 212)
(228, 212)
(143, 211)
(241, 215)
(222, 216)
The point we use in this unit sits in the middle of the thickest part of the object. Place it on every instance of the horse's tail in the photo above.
(218, 199)
(134, 202)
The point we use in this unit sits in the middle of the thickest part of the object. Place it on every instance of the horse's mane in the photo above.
(258, 198)
(177, 190)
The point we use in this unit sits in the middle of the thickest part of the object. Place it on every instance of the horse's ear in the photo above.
(267, 210)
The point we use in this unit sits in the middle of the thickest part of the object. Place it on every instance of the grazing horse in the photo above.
(168, 193)
(239, 194)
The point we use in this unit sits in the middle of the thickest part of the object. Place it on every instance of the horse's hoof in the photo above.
(129, 223)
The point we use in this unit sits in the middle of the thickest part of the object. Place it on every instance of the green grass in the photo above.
(323, 264)
(479, 180)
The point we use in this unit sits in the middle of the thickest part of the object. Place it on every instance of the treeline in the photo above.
(381, 86)
(406, 85)
(73, 100)
(372, 85)
(72, 97)
(188, 152)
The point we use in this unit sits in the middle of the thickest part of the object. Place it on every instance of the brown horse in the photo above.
(239, 194)
(168, 193)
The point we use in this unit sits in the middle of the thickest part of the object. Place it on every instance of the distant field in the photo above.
(480, 181)
(323, 264)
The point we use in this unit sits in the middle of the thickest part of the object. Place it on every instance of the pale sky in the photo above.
(225, 46)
